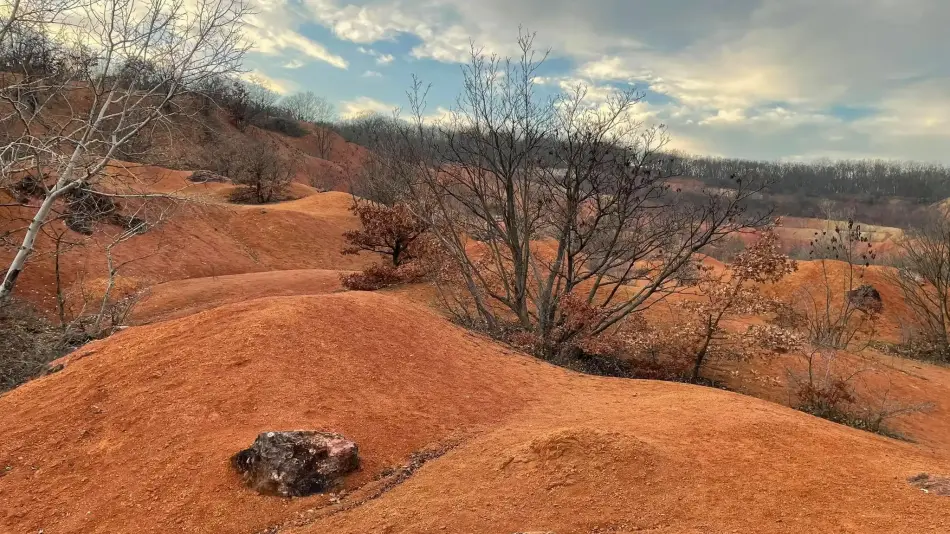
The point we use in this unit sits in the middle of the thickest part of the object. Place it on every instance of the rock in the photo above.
(866, 298)
(931, 484)
(203, 177)
(296, 463)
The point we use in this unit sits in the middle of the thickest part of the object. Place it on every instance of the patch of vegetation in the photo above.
(914, 349)
(28, 342)
(282, 125)
(825, 391)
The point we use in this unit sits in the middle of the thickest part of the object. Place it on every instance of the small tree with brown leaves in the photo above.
(396, 234)
(734, 290)
(393, 232)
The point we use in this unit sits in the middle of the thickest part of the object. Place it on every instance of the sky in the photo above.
(762, 79)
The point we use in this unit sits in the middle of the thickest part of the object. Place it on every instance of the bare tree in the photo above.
(566, 196)
(183, 44)
(317, 110)
(307, 106)
(264, 174)
(250, 101)
(834, 318)
(923, 275)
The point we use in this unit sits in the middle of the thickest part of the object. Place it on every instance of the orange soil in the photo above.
(139, 429)
(181, 298)
(134, 435)
(204, 239)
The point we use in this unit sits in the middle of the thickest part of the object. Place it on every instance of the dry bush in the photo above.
(28, 342)
(922, 273)
(263, 174)
(382, 276)
(736, 290)
(832, 317)
(832, 390)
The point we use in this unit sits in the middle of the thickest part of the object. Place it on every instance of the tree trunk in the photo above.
(26, 248)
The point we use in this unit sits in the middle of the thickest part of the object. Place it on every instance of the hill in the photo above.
(206, 237)
(138, 430)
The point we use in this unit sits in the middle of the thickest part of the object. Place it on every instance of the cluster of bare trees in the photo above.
(832, 179)
(251, 102)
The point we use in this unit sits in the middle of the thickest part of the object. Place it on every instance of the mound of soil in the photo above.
(140, 428)
(180, 298)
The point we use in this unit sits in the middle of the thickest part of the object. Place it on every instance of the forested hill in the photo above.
(866, 180)
(888, 193)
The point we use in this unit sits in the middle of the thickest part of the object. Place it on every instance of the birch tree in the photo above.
(121, 64)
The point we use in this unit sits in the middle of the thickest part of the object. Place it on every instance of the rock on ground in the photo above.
(296, 463)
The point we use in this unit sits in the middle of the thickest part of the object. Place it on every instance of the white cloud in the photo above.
(350, 109)
(381, 58)
(372, 74)
(277, 85)
(758, 78)
(293, 64)
(276, 42)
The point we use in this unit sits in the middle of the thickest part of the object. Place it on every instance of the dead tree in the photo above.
(316, 110)
(264, 174)
(922, 272)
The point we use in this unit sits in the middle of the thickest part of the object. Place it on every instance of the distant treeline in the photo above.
(886, 193)
(867, 180)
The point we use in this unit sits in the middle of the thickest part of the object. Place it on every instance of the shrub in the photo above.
(264, 175)
(282, 125)
(390, 231)
(825, 391)
(382, 276)
(28, 343)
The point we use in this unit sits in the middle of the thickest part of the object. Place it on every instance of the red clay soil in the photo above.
(211, 238)
(135, 436)
(180, 298)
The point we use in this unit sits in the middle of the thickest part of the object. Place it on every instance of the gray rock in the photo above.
(866, 298)
(296, 463)
(203, 177)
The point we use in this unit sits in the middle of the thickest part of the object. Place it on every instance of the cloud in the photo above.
(293, 64)
(276, 42)
(277, 85)
(362, 105)
(273, 30)
(381, 59)
(751, 77)
(372, 74)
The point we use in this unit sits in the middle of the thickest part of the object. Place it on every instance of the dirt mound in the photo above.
(624, 457)
(141, 426)
(139, 429)
(180, 298)
(206, 238)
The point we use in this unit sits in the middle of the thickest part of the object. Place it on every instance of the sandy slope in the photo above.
(135, 436)
(205, 238)
(180, 298)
